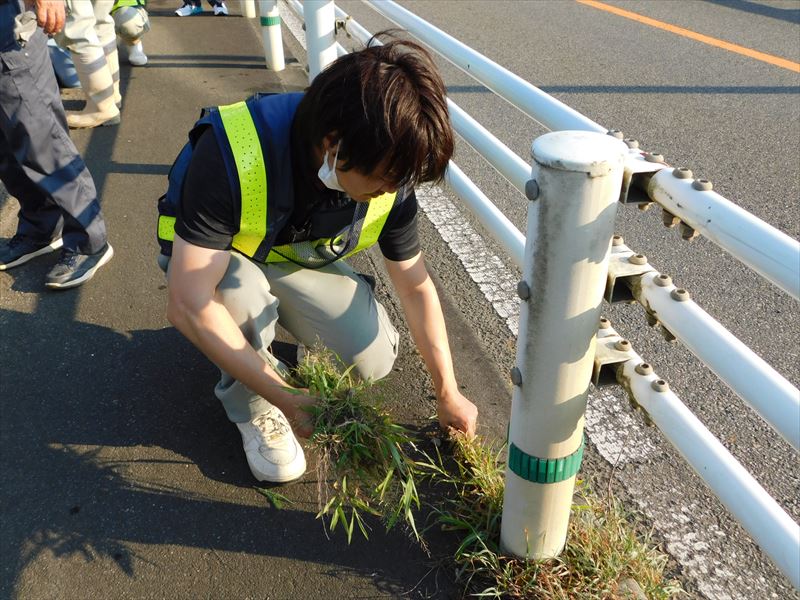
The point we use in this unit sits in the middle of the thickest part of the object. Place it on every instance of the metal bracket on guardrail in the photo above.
(623, 266)
(341, 25)
(610, 351)
(612, 354)
(639, 168)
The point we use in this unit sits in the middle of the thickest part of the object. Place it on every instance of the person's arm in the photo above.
(193, 308)
(426, 322)
(50, 15)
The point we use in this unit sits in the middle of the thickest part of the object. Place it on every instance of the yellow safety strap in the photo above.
(166, 228)
(246, 148)
(377, 213)
(374, 220)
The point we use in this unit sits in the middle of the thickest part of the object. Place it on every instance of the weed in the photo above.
(602, 555)
(363, 466)
(277, 500)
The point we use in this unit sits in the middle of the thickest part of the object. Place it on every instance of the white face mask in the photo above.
(327, 175)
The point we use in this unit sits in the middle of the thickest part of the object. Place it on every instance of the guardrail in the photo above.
(686, 201)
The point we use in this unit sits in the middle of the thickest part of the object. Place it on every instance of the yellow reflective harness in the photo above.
(251, 168)
(377, 213)
(246, 148)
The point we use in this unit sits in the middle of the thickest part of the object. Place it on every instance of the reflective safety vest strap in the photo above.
(166, 228)
(246, 148)
(120, 3)
(377, 213)
(374, 220)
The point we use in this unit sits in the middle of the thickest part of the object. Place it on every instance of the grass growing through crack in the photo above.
(363, 467)
(603, 552)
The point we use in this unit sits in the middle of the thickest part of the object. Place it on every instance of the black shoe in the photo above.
(73, 269)
(20, 249)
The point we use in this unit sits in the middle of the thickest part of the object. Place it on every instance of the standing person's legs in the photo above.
(39, 218)
(80, 36)
(220, 9)
(41, 166)
(131, 23)
(106, 34)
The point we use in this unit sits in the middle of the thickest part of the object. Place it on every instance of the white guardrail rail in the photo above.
(686, 201)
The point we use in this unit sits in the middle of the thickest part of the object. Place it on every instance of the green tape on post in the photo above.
(268, 21)
(544, 470)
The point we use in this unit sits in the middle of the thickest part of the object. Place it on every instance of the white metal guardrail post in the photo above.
(271, 34)
(249, 9)
(578, 176)
(320, 18)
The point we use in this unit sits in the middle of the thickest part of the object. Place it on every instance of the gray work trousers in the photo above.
(332, 306)
(89, 24)
(39, 164)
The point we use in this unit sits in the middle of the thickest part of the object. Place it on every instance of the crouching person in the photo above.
(266, 203)
(131, 23)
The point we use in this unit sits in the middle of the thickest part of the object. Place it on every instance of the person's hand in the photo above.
(299, 418)
(50, 15)
(455, 411)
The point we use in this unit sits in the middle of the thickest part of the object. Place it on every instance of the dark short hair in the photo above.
(386, 105)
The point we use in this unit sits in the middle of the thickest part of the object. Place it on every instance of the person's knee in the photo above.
(375, 367)
(377, 361)
(129, 24)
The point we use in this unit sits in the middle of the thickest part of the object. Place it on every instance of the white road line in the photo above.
(486, 269)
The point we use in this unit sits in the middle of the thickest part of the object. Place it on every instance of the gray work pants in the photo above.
(131, 23)
(39, 164)
(89, 24)
(333, 306)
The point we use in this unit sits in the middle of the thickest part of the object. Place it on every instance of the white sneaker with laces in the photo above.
(221, 10)
(136, 55)
(272, 451)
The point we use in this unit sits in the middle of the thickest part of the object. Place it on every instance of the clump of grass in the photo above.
(363, 465)
(365, 468)
(603, 552)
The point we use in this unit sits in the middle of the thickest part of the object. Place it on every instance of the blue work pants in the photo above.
(39, 164)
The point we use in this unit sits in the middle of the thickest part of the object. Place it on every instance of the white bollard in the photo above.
(271, 34)
(320, 18)
(249, 9)
(570, 225)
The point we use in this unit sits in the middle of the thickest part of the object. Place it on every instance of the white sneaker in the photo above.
(136, 55)
(188, 10)
(273, 453)
(221, 10)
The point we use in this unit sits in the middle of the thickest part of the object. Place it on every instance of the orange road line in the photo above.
(767, 58)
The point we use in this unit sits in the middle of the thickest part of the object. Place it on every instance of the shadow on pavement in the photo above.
(99, 428)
